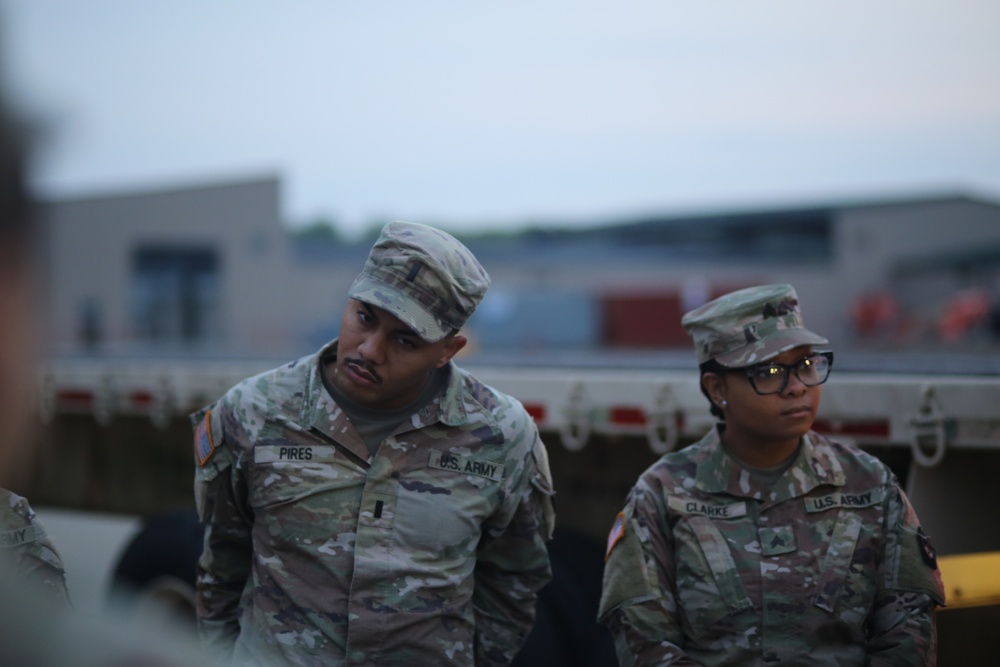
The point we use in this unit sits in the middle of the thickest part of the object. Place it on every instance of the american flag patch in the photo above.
(203, 445)
(616, 534)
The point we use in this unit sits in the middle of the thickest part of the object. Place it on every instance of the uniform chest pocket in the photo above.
(305, 497)
(444, 504)
(708, 579)
(291, 472)
(846, 584)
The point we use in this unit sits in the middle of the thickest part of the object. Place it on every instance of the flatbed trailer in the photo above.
(116, 439)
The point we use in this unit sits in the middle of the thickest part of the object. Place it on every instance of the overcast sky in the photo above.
(472, 114)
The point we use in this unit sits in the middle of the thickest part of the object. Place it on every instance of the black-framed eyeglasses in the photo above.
(770, 378)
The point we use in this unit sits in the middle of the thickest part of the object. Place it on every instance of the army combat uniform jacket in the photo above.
(430, 552)
(827, 567)
(27, 553)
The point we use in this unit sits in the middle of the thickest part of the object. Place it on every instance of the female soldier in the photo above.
(765, 543)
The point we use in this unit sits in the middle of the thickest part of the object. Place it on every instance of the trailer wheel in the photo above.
(566, 631)
(155, 573)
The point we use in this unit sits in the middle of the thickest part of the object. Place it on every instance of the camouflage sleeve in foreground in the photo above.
(512, 562)
(31, 635)
(902, 624)
(224, 565)
(25, 548)
(637, 604)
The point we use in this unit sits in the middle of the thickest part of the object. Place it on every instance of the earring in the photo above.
(724, 403)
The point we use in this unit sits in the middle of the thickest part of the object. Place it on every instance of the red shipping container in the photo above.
(647, 320)
(642, 320)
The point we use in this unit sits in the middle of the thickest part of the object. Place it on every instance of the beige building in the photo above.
(197, 270)
(212, 270)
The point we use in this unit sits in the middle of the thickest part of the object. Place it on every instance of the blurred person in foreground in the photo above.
(764, 542)
(373, 503)
(25, 548)
(37, 627)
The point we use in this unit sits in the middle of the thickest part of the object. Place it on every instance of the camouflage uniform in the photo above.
(430, 552)
(710, 565)
(26, 549)
(827, 567)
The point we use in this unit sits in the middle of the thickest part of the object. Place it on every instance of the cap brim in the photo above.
(412, 314)
(776, 343)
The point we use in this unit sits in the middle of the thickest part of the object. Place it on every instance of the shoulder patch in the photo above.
(927, 552)
(204, 447)
(616, 534)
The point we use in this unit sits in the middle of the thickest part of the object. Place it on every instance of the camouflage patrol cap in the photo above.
(748, 326)
(423, 276)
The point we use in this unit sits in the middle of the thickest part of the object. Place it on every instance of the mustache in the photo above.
(363, 366)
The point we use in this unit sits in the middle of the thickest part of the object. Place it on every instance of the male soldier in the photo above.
(373, 503)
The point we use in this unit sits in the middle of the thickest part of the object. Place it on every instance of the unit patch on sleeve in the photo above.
(927, 552)
(616, 534)
(204, 447)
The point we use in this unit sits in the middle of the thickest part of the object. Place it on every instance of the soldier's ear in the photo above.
(715, 387)
(452, 345)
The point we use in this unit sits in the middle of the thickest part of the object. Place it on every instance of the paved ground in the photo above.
(89, 544)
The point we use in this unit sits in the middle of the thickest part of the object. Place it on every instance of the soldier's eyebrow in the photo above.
(399, 331)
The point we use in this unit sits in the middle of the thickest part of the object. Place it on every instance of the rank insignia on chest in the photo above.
(616, 534)
(204, 447)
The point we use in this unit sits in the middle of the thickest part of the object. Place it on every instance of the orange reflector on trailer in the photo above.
(536, 411)
(627, 416)
(74, 399)
(141, 399)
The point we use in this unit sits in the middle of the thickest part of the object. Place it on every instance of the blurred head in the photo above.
(17, 304)
(418, 288)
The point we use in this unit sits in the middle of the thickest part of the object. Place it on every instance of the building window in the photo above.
(175, 294)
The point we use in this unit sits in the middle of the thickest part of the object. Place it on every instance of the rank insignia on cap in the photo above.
(203, 445)
(616, 534)
(927, 551)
